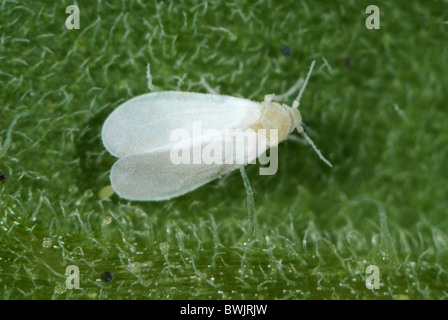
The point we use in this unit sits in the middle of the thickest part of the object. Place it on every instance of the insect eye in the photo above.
(305, 125)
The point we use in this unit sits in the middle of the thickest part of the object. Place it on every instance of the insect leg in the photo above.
(286, 95)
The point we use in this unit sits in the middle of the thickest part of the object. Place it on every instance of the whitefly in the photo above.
(139, 133)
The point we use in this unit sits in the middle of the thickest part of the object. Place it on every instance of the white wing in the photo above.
(153, 176)
(145, 123)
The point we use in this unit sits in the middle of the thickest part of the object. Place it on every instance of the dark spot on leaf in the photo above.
(2, 176)
(107, 276)
(286, 51)
(347, 62)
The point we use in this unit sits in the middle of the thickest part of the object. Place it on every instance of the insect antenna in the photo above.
(296, 104)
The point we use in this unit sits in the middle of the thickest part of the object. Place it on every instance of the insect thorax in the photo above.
(277, 116)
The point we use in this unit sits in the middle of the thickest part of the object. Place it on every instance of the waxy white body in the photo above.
(138, 132)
